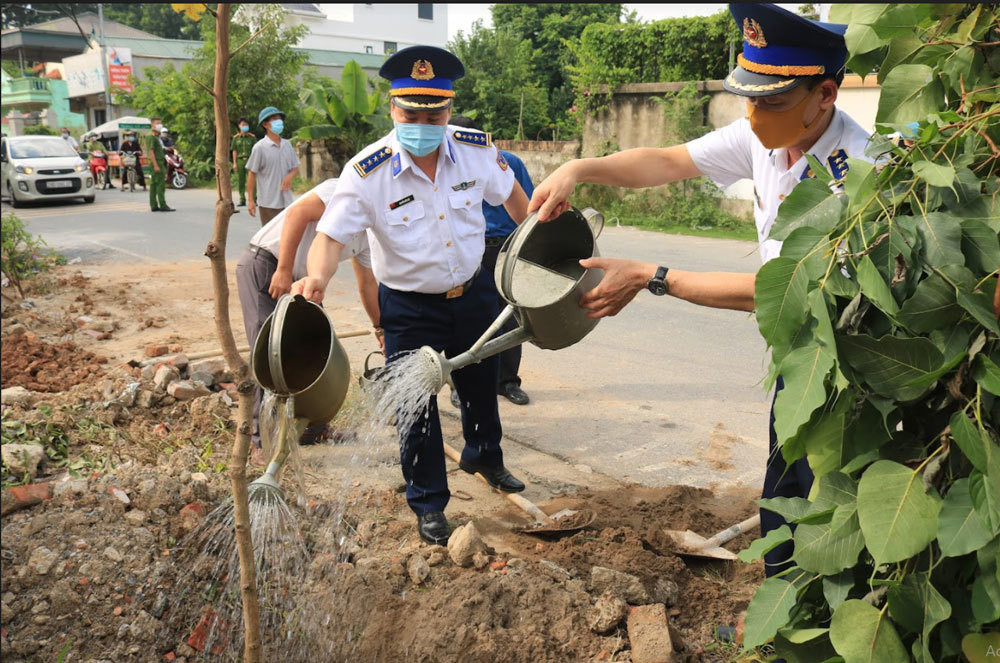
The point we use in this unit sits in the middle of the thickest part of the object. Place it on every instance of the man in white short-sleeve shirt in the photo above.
(418, 193)
(277, 256)
(789, 72)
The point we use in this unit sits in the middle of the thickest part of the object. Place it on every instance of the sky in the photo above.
(462, 16)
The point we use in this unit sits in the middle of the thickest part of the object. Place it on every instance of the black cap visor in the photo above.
(748, 84)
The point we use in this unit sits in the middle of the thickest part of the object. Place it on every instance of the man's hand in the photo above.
(623, 279)
(281, 283)
(156, 168)
(310, 287)
(551, 197)
(252, 207)
(286, 184)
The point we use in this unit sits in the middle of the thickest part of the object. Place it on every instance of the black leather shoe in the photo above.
(499, 478)
(513, 392)
(433, 528)
(167, 209)
(454, 399)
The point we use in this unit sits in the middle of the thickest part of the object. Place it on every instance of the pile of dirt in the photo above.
(34, 364)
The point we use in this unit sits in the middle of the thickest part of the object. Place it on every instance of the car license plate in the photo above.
(59, 184)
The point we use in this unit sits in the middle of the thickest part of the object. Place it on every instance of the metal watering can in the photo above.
(297, 354)
(538, 274)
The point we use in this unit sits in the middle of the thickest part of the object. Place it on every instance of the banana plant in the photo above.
(354, 110)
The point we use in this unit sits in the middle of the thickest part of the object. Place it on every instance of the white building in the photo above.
(373, 28)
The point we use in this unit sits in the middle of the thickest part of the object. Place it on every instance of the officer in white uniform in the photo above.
(789, 71)
(418, 194)
(277, 256)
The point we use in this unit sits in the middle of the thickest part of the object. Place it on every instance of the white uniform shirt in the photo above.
(269, 237)
(733, 153)
(425, 236)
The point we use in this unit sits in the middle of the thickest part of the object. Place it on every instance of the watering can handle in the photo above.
(369, 357)
(594, 219)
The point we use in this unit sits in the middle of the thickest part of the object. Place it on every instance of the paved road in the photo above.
(666, 392)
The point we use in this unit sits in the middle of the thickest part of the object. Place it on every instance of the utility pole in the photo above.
(104, 65)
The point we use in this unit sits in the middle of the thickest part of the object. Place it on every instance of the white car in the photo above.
(43, 168)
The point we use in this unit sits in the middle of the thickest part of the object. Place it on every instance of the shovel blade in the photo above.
(690, 544)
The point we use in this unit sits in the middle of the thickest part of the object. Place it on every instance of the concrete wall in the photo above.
(541, 157)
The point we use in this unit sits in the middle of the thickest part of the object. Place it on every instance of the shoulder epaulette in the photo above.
(477, 138)
(366, 165)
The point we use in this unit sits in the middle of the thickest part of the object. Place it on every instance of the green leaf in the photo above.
(811, 203)
(909, 93)
(980, 245)
(354, 82)
(874, 287)
(932, 306)
(897, 517)
(890, 364)
(934, 174)
(985, 495)
(863, 634)
(824, 438)
(986, 588)
(789, 508)
(960, 529)
(759, 547)
(942, 235)
(901, 49)
(987, 375)
(804, 645)
(980, 306)
(973, 445)
(819, 551)
(833, 490)
(818, 170)
(860, 184)
(862, 38)
(917, 605)
(845, 520)
(780, 300)
(802, 242)
(768, 611)
(836, 588)
(804, 371)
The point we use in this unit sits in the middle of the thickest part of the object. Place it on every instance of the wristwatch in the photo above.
(658, 284)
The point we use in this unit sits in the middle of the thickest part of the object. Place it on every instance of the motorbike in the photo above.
(99, 168)
(176, 175)
(130, 162)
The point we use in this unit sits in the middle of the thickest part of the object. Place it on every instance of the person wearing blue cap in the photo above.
(274, 163)
(418, 194)
(789, 72)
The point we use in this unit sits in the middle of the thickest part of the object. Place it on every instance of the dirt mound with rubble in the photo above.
(39, 366)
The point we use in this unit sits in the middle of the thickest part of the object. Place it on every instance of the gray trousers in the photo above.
(253, 278)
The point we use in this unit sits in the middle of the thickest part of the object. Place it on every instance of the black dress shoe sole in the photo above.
(434, 541)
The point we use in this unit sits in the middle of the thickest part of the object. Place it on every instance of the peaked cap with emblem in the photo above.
(781, 49)
(422, 77)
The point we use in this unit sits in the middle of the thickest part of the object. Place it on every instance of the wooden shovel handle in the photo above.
(522, 503)
(731, 533)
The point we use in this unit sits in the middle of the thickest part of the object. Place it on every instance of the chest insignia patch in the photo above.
(477, 138)
(368, 164)
(401, 202)
(464, 185)
(397, 165)
(838, 164)
(502, 162)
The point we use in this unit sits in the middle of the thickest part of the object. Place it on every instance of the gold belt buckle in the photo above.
(455, 292)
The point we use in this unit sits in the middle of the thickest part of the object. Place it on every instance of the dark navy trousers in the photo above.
(411, 320)
(781, 480)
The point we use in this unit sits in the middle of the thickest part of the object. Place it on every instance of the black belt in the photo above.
(495, 241)
(263, 253)
(454, 293)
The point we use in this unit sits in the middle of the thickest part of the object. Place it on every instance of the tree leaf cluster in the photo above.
(881, 319)
(266, 71)
(152, 17)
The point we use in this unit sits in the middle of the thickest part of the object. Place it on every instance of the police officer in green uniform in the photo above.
(158, 180)
(242, 144)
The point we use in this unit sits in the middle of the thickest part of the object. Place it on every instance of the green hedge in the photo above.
(673, 49)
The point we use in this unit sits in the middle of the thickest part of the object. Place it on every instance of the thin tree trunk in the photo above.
(216, 252)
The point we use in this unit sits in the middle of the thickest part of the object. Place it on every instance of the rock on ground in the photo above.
(606, 614)
(616, 583)
(649, 635)
(464, 543)
(418, 569)
(21, 459)
(16, 396)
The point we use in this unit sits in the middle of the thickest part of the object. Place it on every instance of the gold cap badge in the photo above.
(753, 34)
(422, 71)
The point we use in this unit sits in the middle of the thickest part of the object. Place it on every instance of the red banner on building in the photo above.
(120, 68)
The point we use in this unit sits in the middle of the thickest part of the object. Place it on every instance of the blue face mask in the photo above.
(419, 139)
(245, 128)
(278, 126)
